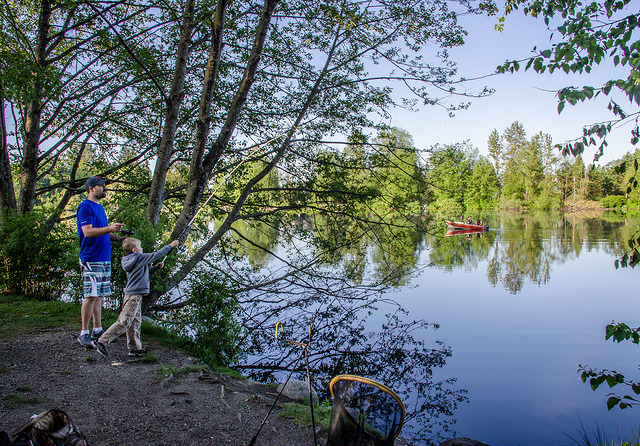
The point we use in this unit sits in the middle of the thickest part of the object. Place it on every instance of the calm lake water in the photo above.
(521, 308)
(521, 311)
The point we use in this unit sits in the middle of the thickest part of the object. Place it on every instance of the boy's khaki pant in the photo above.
(128, 322)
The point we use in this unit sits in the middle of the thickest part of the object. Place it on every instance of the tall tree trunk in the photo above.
(33, 113)
(7, 192)
(202, 166)
(232, 216)
(176, 95)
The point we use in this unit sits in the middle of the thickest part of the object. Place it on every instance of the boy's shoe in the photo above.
(95, 336)
(100, 347)
(137, 353)
(84, 340)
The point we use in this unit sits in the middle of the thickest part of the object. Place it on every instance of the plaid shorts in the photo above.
(96, 278)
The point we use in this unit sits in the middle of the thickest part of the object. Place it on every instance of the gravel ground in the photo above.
(116, 401)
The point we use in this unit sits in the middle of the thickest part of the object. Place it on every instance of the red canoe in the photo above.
(458, 225)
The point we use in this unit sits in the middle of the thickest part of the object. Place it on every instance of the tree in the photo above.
(448, 171)
(199, 88)
(395, 165)
(515, 139)
(494, 145)
(482, 189)
(577, 176)
(62, 78)
(533, 167)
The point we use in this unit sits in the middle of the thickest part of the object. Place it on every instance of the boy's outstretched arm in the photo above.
(158, 254)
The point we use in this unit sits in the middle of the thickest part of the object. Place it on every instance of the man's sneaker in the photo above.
(84, 340)
(137, 353)
(96, 335)
(100, 347)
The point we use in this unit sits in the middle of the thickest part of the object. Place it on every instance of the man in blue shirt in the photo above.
(95, 235)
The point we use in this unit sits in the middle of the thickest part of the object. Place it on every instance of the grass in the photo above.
(149, 358)
(164, 371)
(172, 340)
(600, 438)
(20, 315)
(301, 414)
(15, 400)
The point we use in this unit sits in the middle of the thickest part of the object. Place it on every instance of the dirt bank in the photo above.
(115, 401)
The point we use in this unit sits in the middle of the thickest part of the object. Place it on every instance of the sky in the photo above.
(526, 97)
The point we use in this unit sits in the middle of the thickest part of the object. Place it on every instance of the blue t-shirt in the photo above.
(93, 249)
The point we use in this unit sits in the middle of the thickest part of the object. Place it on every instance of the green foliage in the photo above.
(211, 318)
(395, 167)
(589, 34)
(548, 198)
(482, 190)
(446, 206)
(534, 177)
(32, 263)
(618, 332)
(168, 336)
(448, 171)
(631, 257)
(613, 201)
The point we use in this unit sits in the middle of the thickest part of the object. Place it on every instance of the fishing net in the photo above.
(364, 413)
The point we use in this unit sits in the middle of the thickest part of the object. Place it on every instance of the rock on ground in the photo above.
(298, 390)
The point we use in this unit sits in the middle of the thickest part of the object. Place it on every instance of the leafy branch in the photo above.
(589, 36)
(618, 332)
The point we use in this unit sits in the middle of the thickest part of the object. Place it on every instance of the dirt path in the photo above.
(117, 402)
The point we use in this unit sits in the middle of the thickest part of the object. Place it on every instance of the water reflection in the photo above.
(332, 275)
(521, 248)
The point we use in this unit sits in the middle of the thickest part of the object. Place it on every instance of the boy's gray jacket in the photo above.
(136, 265)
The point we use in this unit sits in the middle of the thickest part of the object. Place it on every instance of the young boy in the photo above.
(136, 265)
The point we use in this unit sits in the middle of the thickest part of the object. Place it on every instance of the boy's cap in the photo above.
(95, 181)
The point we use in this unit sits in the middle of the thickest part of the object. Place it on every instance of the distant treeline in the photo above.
(519, 172)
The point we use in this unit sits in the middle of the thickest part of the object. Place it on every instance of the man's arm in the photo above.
(90, 231)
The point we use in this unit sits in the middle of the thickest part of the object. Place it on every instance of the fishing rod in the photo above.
(184, 234)
(304, 347)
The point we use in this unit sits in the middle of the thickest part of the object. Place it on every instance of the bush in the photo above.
(33, 263)
(210, 319)
(508, 203)
(446, 206)
(613, 201)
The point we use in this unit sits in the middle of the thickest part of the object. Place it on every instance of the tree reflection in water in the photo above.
(340, 292)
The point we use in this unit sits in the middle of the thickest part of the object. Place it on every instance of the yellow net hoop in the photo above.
(371, 382)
